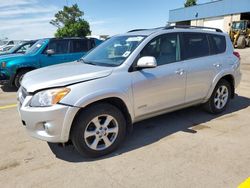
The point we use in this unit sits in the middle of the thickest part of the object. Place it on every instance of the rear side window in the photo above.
(82, 45)
(194, 45)
(217, 44)
(59, 46)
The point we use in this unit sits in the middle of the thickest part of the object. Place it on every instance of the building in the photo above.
(219, 14)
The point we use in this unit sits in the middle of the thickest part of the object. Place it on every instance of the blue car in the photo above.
(43, 53)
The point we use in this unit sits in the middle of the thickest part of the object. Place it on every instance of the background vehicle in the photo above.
(240, 33)
(19, 48)
(43, 53)
(128, 78)
(6, 48)
(6, 45)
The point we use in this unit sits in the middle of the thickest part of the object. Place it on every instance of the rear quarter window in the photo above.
(217, 44)
(82, 45)
(194, 45)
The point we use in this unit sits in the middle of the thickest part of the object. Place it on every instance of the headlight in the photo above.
(48, 97)
(3, 64)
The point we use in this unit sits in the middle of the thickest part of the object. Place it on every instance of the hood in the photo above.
(63, 75)
(4, 53)
(8, 57)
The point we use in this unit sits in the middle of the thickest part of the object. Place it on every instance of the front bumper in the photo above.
(4, 77)
(51, 124)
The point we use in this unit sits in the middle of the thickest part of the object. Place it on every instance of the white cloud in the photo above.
(26, 19)
(11, 3)
(14, 11)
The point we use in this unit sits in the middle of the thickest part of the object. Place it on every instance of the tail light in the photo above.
(237, 54)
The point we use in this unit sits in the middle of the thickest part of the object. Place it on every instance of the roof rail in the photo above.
(134, 30)
(193, 27)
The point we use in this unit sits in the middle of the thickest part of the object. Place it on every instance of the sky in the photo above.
(29, 19)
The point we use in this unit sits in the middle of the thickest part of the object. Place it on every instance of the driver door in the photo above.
(163, 87)
(61, 53)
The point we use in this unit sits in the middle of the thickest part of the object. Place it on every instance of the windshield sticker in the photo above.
(126, 54)
(134, 39)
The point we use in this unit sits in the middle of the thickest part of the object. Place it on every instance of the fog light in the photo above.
(46, 127)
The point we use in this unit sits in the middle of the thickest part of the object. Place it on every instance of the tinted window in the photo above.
(217, 44)
(59, 46)
(195, 45)
(248, 25)
(165, 49)
(10, 42)
(82, 45)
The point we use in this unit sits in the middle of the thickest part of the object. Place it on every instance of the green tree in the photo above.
(70, 22)
(190, 3)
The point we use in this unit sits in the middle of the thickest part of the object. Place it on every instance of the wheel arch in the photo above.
(228, 77)
(117, 102)
(29, 68)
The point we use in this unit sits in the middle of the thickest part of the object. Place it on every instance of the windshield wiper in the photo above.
(87, 62)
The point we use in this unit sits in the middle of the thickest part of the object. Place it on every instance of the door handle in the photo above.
(217, 65)
(179, 71)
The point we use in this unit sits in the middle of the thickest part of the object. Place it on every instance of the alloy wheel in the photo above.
(101, 132)
(221, 97)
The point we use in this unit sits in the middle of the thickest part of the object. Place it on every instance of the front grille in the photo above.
(22, 94)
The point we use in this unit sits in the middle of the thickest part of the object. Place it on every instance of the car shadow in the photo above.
(151, 130)
(7, 88)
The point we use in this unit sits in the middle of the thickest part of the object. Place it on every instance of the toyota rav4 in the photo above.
(93, 102)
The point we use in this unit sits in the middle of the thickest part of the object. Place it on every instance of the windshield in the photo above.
(33, 49)
(114, 51)
(239, 25)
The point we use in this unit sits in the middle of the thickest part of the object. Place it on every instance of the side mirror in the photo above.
(50, 52)
(146, 62)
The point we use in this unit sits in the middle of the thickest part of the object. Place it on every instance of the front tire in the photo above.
(219, 98)
(98, 130)
(241, 43)
(19, 77)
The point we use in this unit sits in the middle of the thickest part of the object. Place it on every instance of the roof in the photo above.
(208, 10)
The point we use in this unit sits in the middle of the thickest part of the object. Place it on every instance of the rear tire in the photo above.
(241, 43)
(220, 98)
(248, 42)
(19, 77)
(98, 130)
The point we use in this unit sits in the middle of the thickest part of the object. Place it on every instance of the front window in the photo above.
(114, 51)
(239, 26)
(36, 46)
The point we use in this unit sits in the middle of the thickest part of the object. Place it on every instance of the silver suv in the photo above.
(93, 102)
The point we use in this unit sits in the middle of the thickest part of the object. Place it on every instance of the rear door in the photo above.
(61, 53)
(202, 64)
